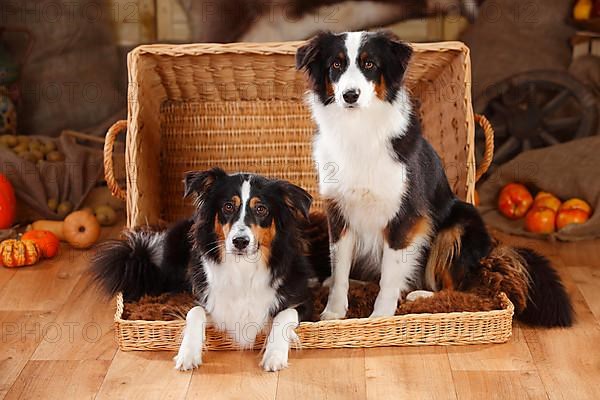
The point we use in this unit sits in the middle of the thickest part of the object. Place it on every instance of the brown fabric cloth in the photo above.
(71, 78)
(514, 36)
(70, 180)
(568, 170)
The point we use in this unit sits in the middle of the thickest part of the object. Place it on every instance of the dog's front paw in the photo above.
(418, 294)
(187, 359)
(274, 360)
(335, 309)
(328, 315)
(383, 309)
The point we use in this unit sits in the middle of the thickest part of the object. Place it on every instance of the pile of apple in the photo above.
(543, 214)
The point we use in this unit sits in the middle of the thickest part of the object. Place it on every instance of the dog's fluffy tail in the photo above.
(531, 283)
(143, 263)
(465, 257)
(548, 303)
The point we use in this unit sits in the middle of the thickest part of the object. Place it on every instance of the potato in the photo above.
(21, 148)
(37, 154)
(55, 156)
(23, 139)
(35, 145)
(64, 208)
(52, 204)
(47, 147)
(9, 140)
(105, 215)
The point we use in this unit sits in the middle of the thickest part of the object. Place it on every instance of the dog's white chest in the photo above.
(365, 181)
(356, 164)
(239, 297)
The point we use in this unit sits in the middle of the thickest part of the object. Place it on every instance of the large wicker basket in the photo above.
(403, 330)
(240, 106)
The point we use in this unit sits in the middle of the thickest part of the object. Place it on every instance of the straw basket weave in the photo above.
(240, 106)
(403, 330)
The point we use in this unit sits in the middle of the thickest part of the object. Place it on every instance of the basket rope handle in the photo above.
(109, 173)
(488, 154)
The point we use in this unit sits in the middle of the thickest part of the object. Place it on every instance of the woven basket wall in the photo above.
(457, 328)
(240, 106)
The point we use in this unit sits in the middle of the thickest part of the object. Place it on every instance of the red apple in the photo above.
(570, 216)
(514, 200)
(548, 200)
(576, 204)
(540, 220)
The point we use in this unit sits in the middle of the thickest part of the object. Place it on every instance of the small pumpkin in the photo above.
(81, 229)
(18, 253)
(47, 241)
(8, 203)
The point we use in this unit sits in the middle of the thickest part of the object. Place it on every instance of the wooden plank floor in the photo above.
(57, 343)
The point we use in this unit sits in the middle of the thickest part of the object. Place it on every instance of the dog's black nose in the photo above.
(241, 242)
(351, 96)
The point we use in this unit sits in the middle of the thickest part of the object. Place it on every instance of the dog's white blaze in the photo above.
(352, 77)
(240, 226)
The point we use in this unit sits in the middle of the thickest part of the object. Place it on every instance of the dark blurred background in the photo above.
(535, 63)
(70, 55)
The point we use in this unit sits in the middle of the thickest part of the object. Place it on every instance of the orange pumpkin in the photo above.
(8, 203)
(47, 241)
(18, 253)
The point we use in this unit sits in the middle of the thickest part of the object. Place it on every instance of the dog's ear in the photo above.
(296, 199)
(201, 182)
(400, 52)
(308, 53)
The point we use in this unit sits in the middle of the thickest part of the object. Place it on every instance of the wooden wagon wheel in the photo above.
(533, 110)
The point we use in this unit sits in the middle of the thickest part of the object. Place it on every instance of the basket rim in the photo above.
(266, 48)
(507, 307)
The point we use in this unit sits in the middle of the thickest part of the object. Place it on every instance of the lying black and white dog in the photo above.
(390, 207)
(243, 254)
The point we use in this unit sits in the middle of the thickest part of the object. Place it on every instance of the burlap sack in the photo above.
(70, 180)
(567, 170)
(514, 36)
(71, 78)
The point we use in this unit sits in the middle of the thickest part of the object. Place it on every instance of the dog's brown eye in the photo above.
(261, 210)
(369, 64)
(228, 208)
(336, 65)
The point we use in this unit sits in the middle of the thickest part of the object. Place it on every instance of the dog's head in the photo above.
(354, 69)
(244, 214)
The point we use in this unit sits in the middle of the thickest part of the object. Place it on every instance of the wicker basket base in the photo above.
(455, 328)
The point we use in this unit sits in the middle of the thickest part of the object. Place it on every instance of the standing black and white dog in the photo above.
(243, 254)
(390, 207)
